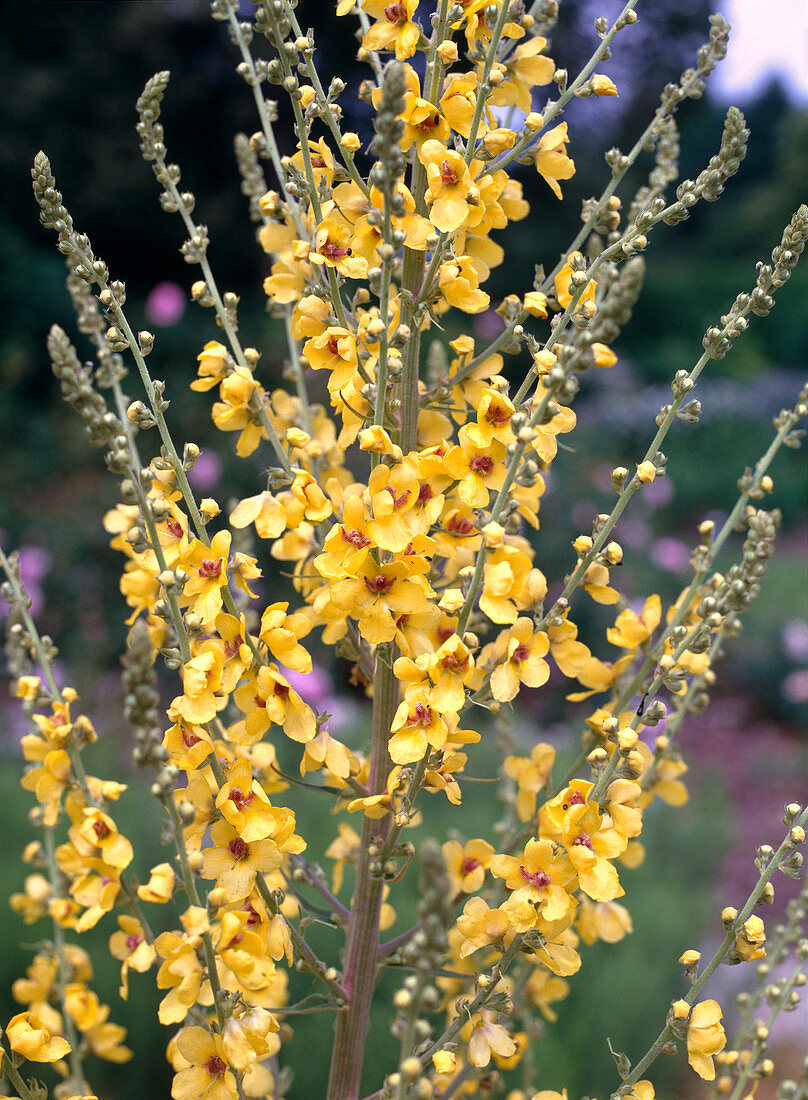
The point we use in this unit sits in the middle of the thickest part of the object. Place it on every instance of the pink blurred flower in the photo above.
(314, 687)
(206, 471)
(671, 554)
(795, 686)
(795, 639)
(165, 304)
(488, 325)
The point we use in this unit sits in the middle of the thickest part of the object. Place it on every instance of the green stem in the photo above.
(361, 954)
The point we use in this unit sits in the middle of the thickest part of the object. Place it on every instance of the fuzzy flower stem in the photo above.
(74, 1058)
(8, 1069)
(723, 950)
(322, 102)
(359, 971)
(776, 1009)
(266, 124)
(557, 106)
(315, 964)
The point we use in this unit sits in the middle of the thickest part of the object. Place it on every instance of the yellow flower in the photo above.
(335, 247)
(99, 830)
(450, 669)
(234, 412)
(160, 887)
(28, 1036)
(208, 1073)
(552, 162)
(466, 864)
(478, 469)
(131, 947)
(416, 724)
(449, 186)
(487, 1038)
(234, 863)
(208, 568)
(459, 283)
(705, 1037)
(281, 633)
(539, 876)
(524, 661)
(480, 926)
(394, 28)
(602, 85)
(531, 776)
(525, 69)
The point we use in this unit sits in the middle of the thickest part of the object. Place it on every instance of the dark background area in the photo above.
(70, 73)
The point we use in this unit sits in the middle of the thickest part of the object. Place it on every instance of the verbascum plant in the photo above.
(408, 516)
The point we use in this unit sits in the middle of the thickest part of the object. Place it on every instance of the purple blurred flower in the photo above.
(634, 533)
(659, 492)
(165, 304)
(795, 686)
(795, 640)
(206, 471)
(35, 564)
(671, 554)
(314, 687)
(488, 325)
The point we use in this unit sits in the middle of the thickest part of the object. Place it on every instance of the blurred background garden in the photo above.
(70, 73)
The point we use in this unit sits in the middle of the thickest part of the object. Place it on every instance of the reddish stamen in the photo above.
(584, 840)
(396, 13)
(539, 879)
(215, 1066)
(447, 173)
(378, 584)
(240, 799)
(210, 567)
(482, 464)
(332, 251)
(238, 848)
(355, 537)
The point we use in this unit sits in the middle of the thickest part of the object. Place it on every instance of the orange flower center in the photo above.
(575, 799)
(460, 525)
(497, 414)
(400, 500)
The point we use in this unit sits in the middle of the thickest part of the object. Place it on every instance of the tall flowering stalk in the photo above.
(404, 511)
